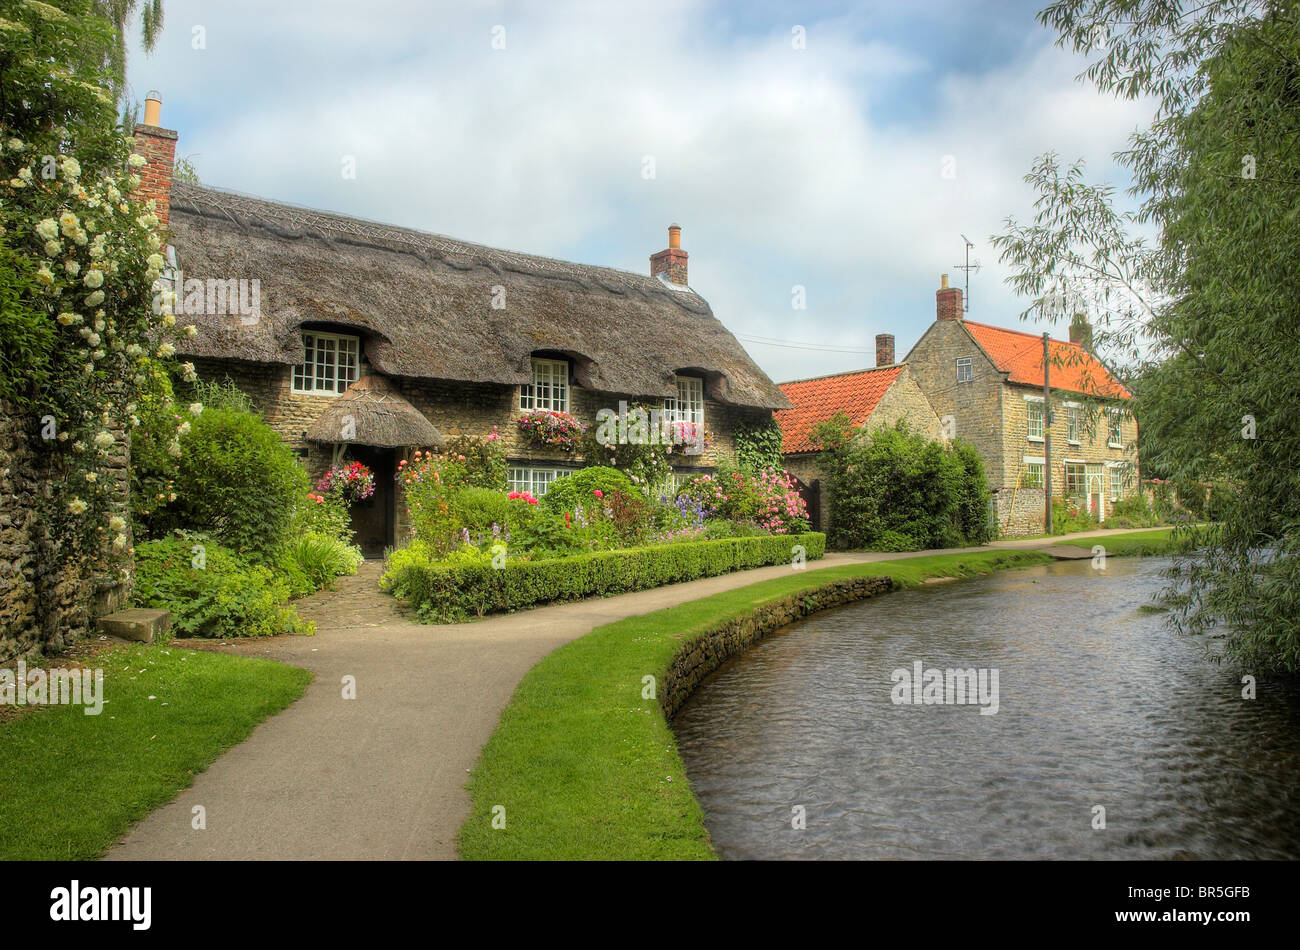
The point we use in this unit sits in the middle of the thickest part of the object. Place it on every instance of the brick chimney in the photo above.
(884, 349)
(947, 301)
(158, 146)
(671, 263)
(1081, 331)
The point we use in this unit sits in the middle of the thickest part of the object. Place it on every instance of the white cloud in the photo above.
(783, 166)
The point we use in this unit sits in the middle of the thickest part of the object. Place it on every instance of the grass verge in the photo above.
(587, 769)
(72, 784)
(1132, 543)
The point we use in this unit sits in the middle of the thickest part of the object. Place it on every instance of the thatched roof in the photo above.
(423, 303)
(371, 413)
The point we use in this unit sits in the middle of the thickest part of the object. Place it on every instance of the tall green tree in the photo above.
(1204, 305)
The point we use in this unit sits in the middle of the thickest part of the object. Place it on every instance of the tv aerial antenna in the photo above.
(967, 267)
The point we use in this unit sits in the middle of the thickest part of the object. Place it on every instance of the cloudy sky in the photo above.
(820, 166)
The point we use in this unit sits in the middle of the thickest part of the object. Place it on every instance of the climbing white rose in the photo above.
(77, 506)
(104, 438)
(136, 160)
(52, 248)
(48, 228)
(94, 278)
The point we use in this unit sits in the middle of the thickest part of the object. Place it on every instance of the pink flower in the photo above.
(598, 493)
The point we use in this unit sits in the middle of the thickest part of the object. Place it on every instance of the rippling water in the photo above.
(1100, 704)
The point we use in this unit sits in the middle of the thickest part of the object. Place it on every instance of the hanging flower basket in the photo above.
(546, 427)
(351, 482)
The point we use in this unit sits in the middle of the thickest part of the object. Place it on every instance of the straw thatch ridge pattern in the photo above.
(422, 304)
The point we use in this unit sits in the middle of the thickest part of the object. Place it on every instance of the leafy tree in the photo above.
(1206, 311)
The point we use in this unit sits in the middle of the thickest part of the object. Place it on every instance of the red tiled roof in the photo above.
(816, 400)
(1021, 354)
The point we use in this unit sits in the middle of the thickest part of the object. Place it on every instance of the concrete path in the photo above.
(382, 776)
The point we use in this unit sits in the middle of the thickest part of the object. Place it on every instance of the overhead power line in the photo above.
(799, 345)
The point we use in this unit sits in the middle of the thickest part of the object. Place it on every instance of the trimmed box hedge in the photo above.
(443, 592)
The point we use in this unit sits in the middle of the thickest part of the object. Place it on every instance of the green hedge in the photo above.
(441, 592)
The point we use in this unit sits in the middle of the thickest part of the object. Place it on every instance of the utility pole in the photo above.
(1047, 434)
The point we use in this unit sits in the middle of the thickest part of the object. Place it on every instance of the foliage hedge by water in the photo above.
(443, 592)
(894, 490)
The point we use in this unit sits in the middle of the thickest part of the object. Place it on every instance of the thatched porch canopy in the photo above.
(371, 413)
(430, 307)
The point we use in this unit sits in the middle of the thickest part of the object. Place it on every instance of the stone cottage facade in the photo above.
(986, 385)
(296, 306)
(871, 398)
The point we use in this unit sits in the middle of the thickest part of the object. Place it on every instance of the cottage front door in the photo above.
(373, 518)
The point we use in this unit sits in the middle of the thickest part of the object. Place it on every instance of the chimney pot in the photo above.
(153, 107)
(671, 262)
(884, 349)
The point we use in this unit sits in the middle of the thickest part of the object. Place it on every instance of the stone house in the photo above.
(986, 384)
(367, 341)
(871, 398)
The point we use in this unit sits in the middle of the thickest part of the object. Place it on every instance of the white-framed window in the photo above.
(1114, 482)
(1076, 478)
(535, 481)
(1114, 429)
(965, 372)
(331, 363)
(689, 404)
(1073, 423)
(1032, 476)
(1035, 424)
(549, 388)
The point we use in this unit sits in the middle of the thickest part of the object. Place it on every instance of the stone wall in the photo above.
(705, 653)
(806, 466)
(45, 604)
(1019, 511)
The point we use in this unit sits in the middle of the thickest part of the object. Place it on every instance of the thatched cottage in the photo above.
(367, 340)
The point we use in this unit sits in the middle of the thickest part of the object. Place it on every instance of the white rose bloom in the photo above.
(73, 268)
(134, 350)
(104, 438)
(16, 144)
(48, 228)
(25, 174)
(119, 541)
(45, 275)
(71, 167)
(52, 248)
(94, 278)
(169, 319)
(166, 350)
(155, 261)
(77, 506)
(174, 449)
(95, 299)
(196, 408)
(68, 319)
(91, 476)
(183, 429)
(68, 222)
(117, 523)
(191, 330)
(136, 161)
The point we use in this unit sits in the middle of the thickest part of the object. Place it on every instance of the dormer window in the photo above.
(549, 388)
(331, 363)
(689, 404)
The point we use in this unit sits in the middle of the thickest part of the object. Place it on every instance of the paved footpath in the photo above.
(382, 776)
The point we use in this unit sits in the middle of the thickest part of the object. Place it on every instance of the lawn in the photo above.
(1157, 541)
(585, 768)
(72, 784)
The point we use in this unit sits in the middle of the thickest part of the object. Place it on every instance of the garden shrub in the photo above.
(1067, 517)
(211, 591)
(1135, 511)
(471, 462)
(320, 558)
(322, 514)
(428, 499)
(441, 592)
(478, 510)
(153, 462)
(896, 485)
(578, 489)
(238, 481)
